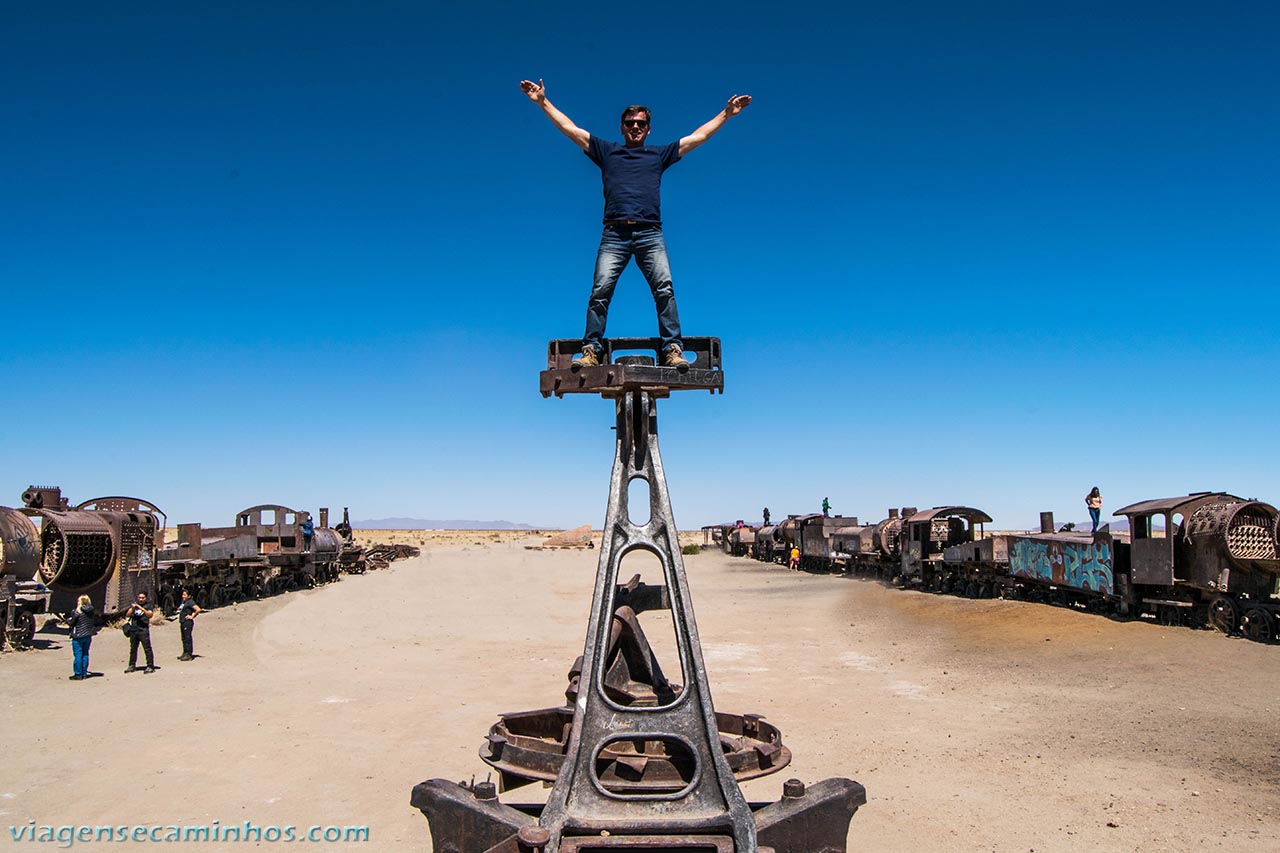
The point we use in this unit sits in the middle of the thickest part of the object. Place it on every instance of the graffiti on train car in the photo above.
(1081, 565)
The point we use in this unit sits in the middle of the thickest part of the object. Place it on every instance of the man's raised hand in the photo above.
(536, 91)
(736, 104)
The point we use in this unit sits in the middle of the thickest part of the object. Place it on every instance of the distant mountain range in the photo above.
(429, 524)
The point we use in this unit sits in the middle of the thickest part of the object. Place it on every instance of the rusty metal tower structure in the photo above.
(636, 761)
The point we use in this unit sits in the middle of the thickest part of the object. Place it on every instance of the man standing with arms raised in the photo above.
(632, 177)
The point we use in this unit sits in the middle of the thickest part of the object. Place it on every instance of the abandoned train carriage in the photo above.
(1065, 567)
(1204, 558)
(768, 546)
(263, 553)
(820, 538)
(926, 536)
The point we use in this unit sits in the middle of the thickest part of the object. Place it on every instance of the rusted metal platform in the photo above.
(639, 762)
(631, 364)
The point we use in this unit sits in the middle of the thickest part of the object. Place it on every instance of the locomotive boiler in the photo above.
(53, 553)
(22, 598)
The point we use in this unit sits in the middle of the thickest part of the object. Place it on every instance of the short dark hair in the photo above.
(637, 108)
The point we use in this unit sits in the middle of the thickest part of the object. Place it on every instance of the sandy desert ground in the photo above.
(974, 725)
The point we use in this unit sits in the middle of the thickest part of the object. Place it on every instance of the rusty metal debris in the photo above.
(636, 761)
(381, 556)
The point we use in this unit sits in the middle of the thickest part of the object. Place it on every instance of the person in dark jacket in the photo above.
(140, 619)
(83, 624)
(188, 610)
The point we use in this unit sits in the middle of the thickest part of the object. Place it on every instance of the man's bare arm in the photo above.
(736, 104)
(538, 94)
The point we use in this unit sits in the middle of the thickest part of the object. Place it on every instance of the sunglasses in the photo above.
(635, 122)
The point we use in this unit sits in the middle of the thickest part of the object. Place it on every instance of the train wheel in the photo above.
(168, 603)
(1258, 626)
(23, 631)
(215, 596)
(1224, 615)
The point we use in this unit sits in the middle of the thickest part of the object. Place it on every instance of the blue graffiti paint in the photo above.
(1080, 565)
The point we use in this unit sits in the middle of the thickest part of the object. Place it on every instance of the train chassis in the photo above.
(1254, 620)
(214, 587)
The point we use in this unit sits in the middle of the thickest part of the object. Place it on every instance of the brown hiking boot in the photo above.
(588, 359)
(675, 358)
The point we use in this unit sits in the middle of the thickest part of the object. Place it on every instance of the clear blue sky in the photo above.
(311, 253)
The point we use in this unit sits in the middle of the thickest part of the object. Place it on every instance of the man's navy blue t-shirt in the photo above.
(632, 177)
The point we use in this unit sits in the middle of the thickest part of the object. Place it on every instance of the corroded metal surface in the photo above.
(582, 800)
(19, 546)
(104, 548)
(531, 746)
(622, 370)
(639, 762)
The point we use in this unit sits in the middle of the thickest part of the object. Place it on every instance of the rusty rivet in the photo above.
(486, 791)
(534, 836)
(793, 788)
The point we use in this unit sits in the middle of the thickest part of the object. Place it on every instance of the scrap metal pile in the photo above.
(636, 761)
(382, 555)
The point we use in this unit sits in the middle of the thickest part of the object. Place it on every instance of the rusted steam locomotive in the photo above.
(1203, 559)
(53, 553)
(265, 552)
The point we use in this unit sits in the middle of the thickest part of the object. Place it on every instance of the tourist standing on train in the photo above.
(83, 623)
(1093, 500)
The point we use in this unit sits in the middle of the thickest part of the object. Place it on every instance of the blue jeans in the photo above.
(619, 244)
(80, 655)
(1096, 515)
